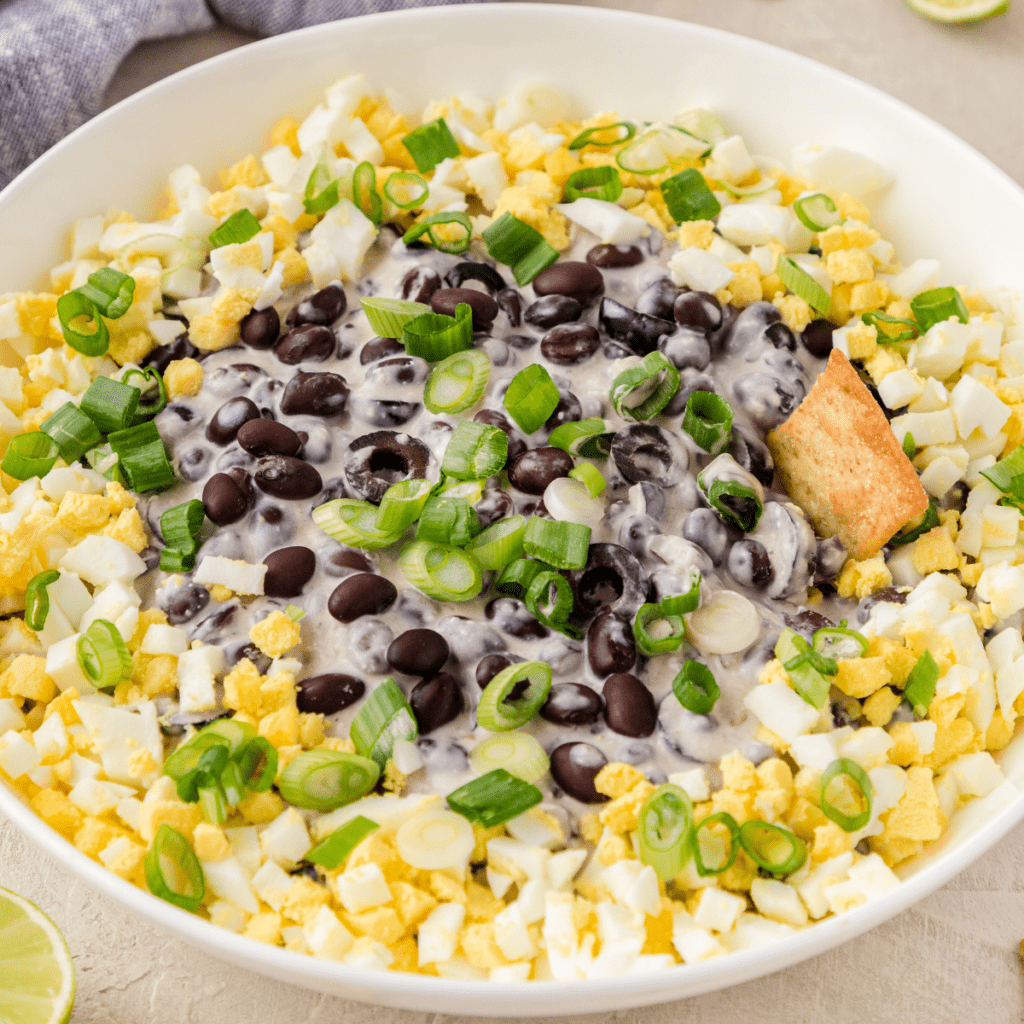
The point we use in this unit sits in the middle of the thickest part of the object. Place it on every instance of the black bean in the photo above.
(224, 500)
(512, 617)
(747, 327)
(511, 304)
(234, 458)
(752, 454)
(398, 371)
(520, 341)
(223, 427)
(328, 693)
(569, 344)
(365, 593)
(494, 504)
(658, 299)
(383, 412)
(780, 336)
(612, 578)
(572, 704)
(251, 652)
(379, 348)
(366, 645)
(261, 328)
(488, 667)
(636, 531)
(485, 309)
(703, 528)
(315, 394)
(749, 564)
(574, 766)
(568, 410)
(886, 595)
(817, 337)
(614, 257)
(273, 525)
(768, 399)
(643, 451)
(516, 443)
(699, 310)
(266, 437)
(481, 272)
(418, 652)
(686, 348)
(288, 571)
(322, 308)
(436, 702)
(610, 645)
(829, 558)
(629, 707)
(163, 355)
(184, 602)
(375, 461)
(285, 477)
(639, 331)
(193, 463)
(806, 622)
(580, 281)
(419, 284)
(535, 469)
(308, 343)
(552, 310)
(346, 561)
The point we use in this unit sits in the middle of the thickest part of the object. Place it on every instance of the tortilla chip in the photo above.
(839, 460)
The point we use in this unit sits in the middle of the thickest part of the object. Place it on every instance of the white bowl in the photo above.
(948, 202)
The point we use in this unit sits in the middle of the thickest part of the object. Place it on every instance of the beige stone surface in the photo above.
(954, 956)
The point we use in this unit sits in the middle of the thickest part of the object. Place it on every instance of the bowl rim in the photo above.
(534, 998)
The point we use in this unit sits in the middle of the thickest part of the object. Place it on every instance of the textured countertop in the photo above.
(954, 956)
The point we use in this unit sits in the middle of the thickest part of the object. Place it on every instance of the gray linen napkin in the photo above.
(57, 56)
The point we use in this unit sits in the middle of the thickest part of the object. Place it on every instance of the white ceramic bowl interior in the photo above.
(948, 202)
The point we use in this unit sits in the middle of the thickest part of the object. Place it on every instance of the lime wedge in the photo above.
(37, 978)
(959, 12)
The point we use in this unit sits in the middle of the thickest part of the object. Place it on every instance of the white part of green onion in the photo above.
(435, 840)
(569, 500)
(518, 753)
(725, 624)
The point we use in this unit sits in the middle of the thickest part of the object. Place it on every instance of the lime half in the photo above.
(37, 978)
(959, 12)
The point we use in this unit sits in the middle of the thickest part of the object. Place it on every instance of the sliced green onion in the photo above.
(402, 504)
(688, 197)
(233, 784)
(110, 291)
(665, 830)
(878, 320)
(645, 389)
(727, 821)
(74, 432)
(103, 656)
(695, 688)
(772, 847)
(37, 601)
(591, 438)
(500, 544)
(1008, 473)
(654, 150)
(150, 383)
(817, 212)
(431, 143)
(656, 632)
(561, 544)
(590, 476)
(322, 780)
(30, 455)
(702, 124)
(806, 678)
(909, 448)
(553, 612)
(384, 718)
(518, 753)
(441, 572)
(206, 775)
(71, 306)
(846, 768)
(682, 604)
(321, 190)
(457, 383)
(929, 520)
(364, 192)
(238, 228)
(294, 612)
(499, 711)
(708, 420)
(937, 305)
(110, 404)
(213, 800)
(333, 851)
(237, 735)
(173, 871)
(257, 763)
(388, 317)
(517, 576)
(519, 246)
(434, 336)
(623, 132)
(840, 642)
(920, 689)
(180, 528)
(448, 519)
(736, 502)
(799, 282)
(428, 226)
(354, 522)
(494, 798)
(475, 451)
(531, 398)
(594, 183)
(406, 190)
(184, 761)
(142, 457)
